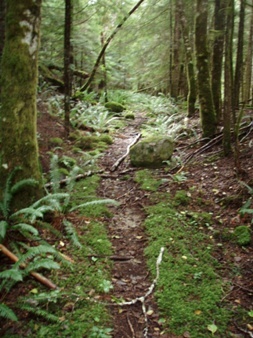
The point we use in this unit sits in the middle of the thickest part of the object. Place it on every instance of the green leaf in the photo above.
(6, 312)
(3, 229)
(212, 328)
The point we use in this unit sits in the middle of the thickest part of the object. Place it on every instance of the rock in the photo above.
(151, 152)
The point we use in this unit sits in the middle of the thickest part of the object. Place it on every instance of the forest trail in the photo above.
(130, 276)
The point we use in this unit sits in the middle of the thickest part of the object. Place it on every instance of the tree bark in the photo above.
(67, 65)
(217, 57)
(191, 97)
(239, 58)
(228, 79)
(2, 28)
(207, 112)
(18, 112)
(246, 95)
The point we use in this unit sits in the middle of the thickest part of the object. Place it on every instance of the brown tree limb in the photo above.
(39, 277)
(121, 159)
(106, 44)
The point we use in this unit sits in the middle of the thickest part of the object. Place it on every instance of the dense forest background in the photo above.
(80, 76)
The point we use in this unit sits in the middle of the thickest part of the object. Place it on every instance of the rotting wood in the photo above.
(43, 280)
(121, 159)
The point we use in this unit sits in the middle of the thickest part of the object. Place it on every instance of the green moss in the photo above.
(114, 107)
(107, 139)
(55, 141)
(146, 180)
(129, 116)
(242, 235)
(189, 288)
(181, 198)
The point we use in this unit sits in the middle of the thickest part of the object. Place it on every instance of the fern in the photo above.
(24, 228)
(71, 233)
(55, 175)
(6, 312)
(45, 263)
(39, 312)
(105, 201)
(35, 251)
(3, 229)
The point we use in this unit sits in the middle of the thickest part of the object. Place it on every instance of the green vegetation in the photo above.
(146, 180)
(242, 235)
(189, 289)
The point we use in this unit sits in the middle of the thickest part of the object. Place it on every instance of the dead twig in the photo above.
(121, 159)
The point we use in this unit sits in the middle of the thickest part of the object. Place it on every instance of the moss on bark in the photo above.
(18, 114)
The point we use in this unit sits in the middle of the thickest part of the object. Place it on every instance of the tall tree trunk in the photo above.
(175, 67)
(191, 97)
(207, 112)
(248, 62)
(18, 113)
(228, 79)
(2, 29)
(67, 64)
(217, 56)
(239, 58)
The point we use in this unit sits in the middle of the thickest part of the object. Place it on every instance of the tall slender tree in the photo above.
(217, 54)
(68, 60)
(18, 95)
(207, 112)
(228, 78)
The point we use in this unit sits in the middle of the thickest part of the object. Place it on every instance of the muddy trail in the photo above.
(130, 276)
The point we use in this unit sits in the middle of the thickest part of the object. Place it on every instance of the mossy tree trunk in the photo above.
(207, 112)
(68, 59)
(217, 56)
(2, 28)
(18, 96)
(247, 79)
(228, 79)
(239, 57)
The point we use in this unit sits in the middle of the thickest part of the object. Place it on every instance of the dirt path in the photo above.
(131, 278)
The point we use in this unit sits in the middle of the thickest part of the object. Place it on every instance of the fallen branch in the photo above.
(39, 277)
(150, 290)
(121, 159)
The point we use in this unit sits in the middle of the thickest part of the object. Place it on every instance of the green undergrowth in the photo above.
(190, 289)
(75, 308)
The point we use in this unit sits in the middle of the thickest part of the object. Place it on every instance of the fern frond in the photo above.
(6, 312)
(12, 274)
(49, 227)
(36, 251)
(39, 312)
(45, 263)
(29, 213)
(105, 201)
(51, 199)
(23, 184)
(71, 233)
(3, 229)
(24, 228)
(55, 175)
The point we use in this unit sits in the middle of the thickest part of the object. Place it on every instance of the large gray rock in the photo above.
(151, 152)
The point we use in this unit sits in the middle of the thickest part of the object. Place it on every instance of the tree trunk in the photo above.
(67, 64)
(248, 62)
(18, 113)
(228, 79)
(2, 28)
(207, 112)
(191, 97)
(175, 67)
(239, 58)
(217, 57)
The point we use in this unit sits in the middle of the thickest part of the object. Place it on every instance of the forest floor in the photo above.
(212, 175)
